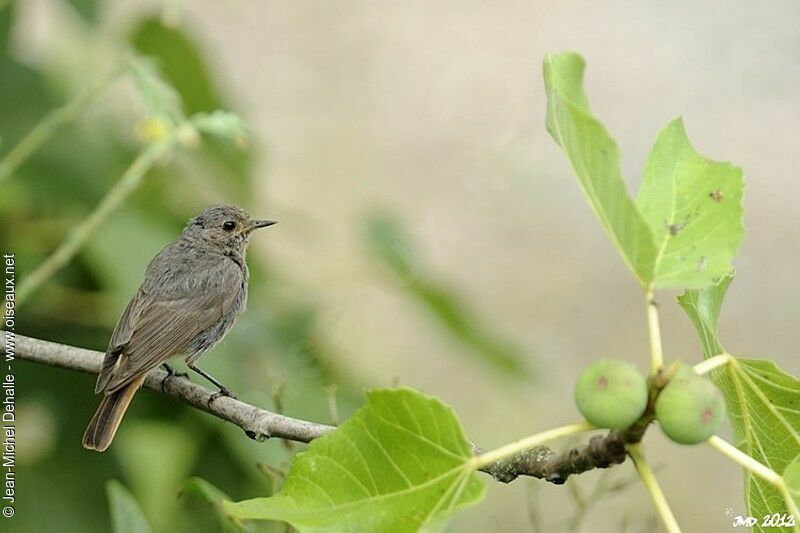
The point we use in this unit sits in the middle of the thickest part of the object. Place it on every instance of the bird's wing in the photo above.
(167, 314)
(122, 334)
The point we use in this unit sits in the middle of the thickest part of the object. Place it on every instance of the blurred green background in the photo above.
(430, 233)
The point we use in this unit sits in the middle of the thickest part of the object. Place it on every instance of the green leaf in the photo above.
(595, 159)
(694, 208)
(400, 463)
(181, 61)
(204, 491)
(392, 244)
(126, 517)
(703, 308)
(763, 401)
(791, 476)
(388, 241)
(223, 124)
(686, 224)
(160, 100)
(155, 457)
(88, 9)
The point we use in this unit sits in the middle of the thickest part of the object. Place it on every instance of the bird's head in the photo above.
(227, 226)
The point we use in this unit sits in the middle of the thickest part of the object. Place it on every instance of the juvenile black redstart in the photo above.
(192, 293)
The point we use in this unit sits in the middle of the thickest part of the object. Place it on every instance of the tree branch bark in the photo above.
(259, 424)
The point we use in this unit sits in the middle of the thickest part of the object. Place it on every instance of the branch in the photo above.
(543, 463)
(259, 424)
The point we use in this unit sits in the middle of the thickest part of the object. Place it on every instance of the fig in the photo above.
(682, 371)
(611, 394)
(690, 408)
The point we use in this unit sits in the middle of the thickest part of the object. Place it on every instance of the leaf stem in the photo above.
(490, 457)
(759, 469)
(656, 350)
(747, 462)
(713, 362)
(50, 123)
(649, 480)
(126, 185)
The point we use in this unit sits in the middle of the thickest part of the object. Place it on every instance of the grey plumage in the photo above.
(192, 293)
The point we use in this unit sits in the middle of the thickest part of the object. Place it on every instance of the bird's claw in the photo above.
(171, 373)
(222, 392)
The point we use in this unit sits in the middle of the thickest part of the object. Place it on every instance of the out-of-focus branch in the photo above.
(78, 236)
(52, 122)
(259, 424)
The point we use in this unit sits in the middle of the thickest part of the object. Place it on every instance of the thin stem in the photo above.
(747, 462)
(713, 362)
(128, 183)
(649, 480)
(585, 503)
(656, 351)
(50, 123)
(333, 408)
(513, 448)
(759, 469)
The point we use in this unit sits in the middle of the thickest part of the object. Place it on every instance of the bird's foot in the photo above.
(171, 373)
(221, 392)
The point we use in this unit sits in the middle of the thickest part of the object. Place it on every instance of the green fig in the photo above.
(611, 394)
(682, 371)
(690, 408)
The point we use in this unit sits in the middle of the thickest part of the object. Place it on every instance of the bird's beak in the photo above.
(255, 224)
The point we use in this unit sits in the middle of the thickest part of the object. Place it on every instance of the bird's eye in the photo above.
(229, 225)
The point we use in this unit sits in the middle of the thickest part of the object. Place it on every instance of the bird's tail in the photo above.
(104, 424)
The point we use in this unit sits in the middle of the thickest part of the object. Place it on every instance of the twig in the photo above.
(656, 350)
(333, 408)
(649, 480)
(541, 462)
(259, 424)
(534, 511)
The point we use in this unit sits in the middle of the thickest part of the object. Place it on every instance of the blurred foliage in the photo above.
(88, 9)
(126, 517)
(161, 443)
(183, 65)
(186, 70)
(389, 243)
(206, 500)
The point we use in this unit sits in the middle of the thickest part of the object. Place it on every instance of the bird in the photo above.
(193, 291)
